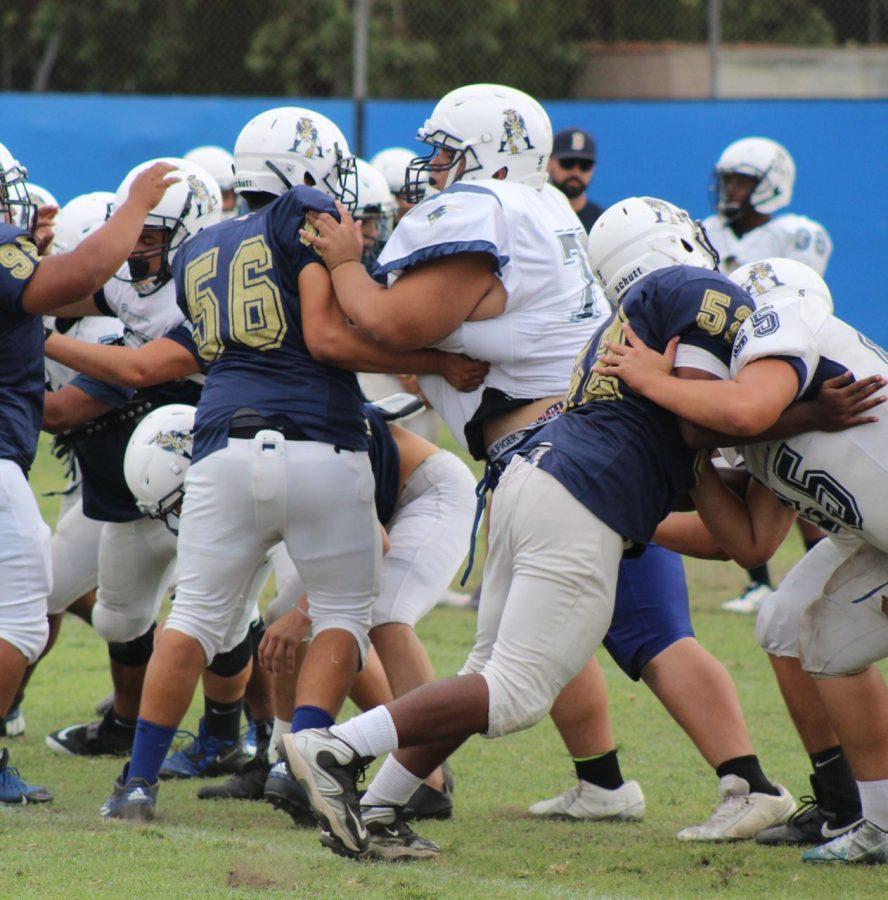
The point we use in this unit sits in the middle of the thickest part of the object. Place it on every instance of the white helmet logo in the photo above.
(204, 198)
(514, 132)
(761, 278)
(174, 442)
(665, 212)
(306, 141)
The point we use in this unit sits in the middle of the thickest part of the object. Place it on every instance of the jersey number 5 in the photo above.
(255, 311)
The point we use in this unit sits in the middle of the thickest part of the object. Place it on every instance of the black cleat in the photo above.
(285, 793)
(392, 839)
(93, 739)
(427, 803)
(248, 784)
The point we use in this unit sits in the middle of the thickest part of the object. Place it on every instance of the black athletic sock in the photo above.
(834, 785)
(602, 770)
(760, 575)
(222, 720)
(748, 768)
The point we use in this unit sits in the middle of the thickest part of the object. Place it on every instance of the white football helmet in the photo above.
(639, 235)
(193, 203)
(277, 149)
(16, 206)
(760, 158)
(376, 210)
(770, 280)
(79, 218)
(40, 196)
(157, 457)
(220, 164)
(393, 163)
(490, 127)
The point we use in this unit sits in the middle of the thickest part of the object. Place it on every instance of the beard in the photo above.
(571, 187)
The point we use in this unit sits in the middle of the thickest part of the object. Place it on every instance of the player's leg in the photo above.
(559, 603)
(220, 547)
(25, 582)
(834, 806)
(841, 635)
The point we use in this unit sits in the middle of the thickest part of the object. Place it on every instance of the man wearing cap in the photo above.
(570, 170)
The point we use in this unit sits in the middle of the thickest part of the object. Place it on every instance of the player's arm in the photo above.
(85, 307)
(741, 407)
(331, 339)
(423, 306)
(60, 280)
(685, 533)
(749, 528)
(69, 408)
(156, 362)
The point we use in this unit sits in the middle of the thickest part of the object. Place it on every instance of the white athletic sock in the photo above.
(873, 801)
(370, 734)
(281, 727)
(393, 785)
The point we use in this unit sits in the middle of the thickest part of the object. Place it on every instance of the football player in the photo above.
(220, 164)
(754, 179)
(392, 163)
(136, 553)
(29, 288)
(828, 619)
(653, 589)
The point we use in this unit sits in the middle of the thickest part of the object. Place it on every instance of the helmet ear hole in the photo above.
(687, 245)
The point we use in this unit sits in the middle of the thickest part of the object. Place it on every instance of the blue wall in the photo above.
(77, 143)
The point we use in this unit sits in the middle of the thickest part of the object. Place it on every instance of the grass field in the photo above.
(491, 848)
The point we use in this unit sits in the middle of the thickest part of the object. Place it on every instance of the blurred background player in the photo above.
(571, 167)
(220, 164)
(393, 163)
(753, 179)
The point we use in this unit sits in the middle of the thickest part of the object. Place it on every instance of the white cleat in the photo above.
(865, 843)
(592, 803)
(741, 814)
(749, 601)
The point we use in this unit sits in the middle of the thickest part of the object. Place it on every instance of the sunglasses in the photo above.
(584, 165)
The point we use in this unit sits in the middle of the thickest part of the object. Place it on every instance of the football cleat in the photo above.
(811, 823)
(93, 739)
(865, 843)
(285, 793)
(329, 769)
(248, 784)
(427, 803)
(133, 799)
(589, 802)
(741, 814)
(13, 723)
(205, 757)
(749, 601)
(14, 790)
(391, 838)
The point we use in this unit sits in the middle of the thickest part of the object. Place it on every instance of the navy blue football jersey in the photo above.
(619, 454)
(21, 351)
(237, 282)
(385, 460)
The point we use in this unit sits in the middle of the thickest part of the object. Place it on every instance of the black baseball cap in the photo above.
(573, 143)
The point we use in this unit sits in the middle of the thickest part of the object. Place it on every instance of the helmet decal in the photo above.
(306, 141)
(205, 202)
(665, 212)
(761, 278)
(175, 442)
(514, 131)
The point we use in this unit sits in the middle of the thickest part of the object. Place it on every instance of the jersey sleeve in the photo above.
(465, 218)
(183, 335)
(287, 215)
(806, 241)
(111, 295)
(705, 313)
(779, 331)
(114, 395)
(18, 263)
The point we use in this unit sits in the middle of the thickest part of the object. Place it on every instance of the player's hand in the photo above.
(281, 641)
(150, 185)
(634, 362)
(43, 228)
(461, 371)
(844, 403)
(336, 242)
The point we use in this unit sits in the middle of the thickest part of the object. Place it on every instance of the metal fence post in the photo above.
(714, 27)
(359, 71)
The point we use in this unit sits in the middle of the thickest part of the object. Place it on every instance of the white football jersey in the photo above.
(788, 237)
(837, 480)
(144, 318)
(93, 330)
(553, 304)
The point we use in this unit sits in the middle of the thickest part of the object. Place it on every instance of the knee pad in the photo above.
(777, 627)
(257, 632)
(136, 652)
(119, 626)
(517, 700)
(235, 660)
(27, 637)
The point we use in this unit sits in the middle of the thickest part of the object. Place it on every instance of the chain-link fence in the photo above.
(422, 48)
